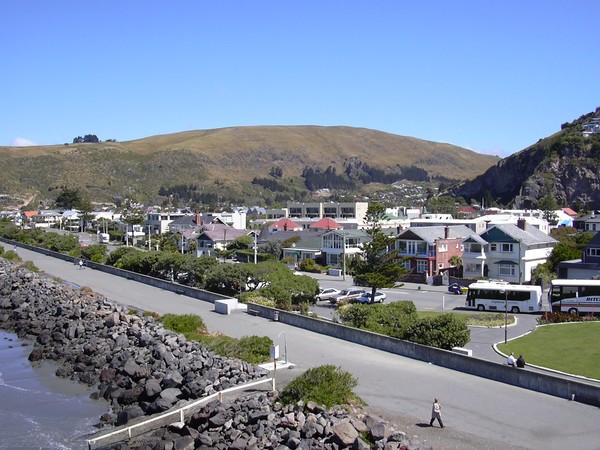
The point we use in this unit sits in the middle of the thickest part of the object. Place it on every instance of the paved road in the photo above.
(508, 414)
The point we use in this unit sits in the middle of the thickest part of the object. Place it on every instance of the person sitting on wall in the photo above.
(511, 360)
(520, 361)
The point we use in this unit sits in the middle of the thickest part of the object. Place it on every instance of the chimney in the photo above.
(521, 223)
(446, 232)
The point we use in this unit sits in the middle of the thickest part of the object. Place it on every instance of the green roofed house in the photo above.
(512, 251)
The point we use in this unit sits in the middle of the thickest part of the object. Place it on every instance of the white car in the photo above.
(346, 295)
(327, 293)
(366, 298)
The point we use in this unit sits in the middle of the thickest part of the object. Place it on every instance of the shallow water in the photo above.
(39, 410)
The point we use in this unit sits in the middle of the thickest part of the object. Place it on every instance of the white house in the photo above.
(507, 252)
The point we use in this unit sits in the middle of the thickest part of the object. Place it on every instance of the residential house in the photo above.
(308, 247)
(307, 243)
(185, 223)
(335, 244)
(159, 221)
(511, 252)
(430, 249)
(325, 224)
(284, 224)
(591, 222)
(214, 237)
(235, 219)
(45, 218)
(588, 267)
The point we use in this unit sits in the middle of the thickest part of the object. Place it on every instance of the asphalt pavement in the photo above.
(507, 414)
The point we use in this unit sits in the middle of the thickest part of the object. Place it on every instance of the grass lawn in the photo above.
(572, 348)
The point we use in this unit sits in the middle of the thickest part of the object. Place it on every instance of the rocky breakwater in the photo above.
(137, 365)
(142, 369)
(260, 422)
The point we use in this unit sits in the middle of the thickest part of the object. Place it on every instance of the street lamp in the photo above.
(344, 259)
(505, 315)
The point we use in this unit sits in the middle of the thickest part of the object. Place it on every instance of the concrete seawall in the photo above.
(540, 382)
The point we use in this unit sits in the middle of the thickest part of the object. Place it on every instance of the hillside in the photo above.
(224, 162)
(563, 167)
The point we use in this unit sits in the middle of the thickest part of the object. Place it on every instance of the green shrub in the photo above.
(391, 319)
(30, 266)
(252, 349)
(309, 265)
(442, 331)
(560, 317)
(326, 385)
(184, 323)
(11, 255)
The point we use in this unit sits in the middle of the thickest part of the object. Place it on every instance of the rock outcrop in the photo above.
(563, 166)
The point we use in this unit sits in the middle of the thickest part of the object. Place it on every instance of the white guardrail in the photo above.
(145, 426)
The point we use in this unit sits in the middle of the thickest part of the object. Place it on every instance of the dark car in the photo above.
(455, 288)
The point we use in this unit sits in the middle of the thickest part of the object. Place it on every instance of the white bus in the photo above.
(501, 296)
(575, 296)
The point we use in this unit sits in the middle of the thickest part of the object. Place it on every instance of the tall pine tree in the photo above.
(379, 266)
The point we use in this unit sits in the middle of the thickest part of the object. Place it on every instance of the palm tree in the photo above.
(456, 263)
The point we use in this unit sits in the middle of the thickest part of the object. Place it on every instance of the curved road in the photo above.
(510, 415)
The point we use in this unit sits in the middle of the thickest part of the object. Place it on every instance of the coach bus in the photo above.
(502, 296)
(575, 296)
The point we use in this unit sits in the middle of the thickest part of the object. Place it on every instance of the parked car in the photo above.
(456, 289)
(327, 293)
(366, 298)
(346, 295)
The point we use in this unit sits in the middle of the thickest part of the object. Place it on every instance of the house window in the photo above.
(443, 248)
(506, 248)
(506, 270)
(493, 247)
(593, 251)
(472, 267)
(411, 247)
(421, 266)
(406, 265)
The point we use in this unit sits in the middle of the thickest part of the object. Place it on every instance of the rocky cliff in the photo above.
(563, 166)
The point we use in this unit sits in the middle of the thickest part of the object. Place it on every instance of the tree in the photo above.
(69, 198)
(456, 263)
(548, 205)
(241, 243)
(379, 266)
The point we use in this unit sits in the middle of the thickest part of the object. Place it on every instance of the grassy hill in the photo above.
(225, 161)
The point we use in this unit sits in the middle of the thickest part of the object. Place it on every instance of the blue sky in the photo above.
(491, 76)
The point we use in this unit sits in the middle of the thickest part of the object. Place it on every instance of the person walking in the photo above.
(436, 413)
(81, 264)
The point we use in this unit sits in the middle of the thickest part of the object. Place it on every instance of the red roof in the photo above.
(326, 224)
(570, 212)
(286, 225)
